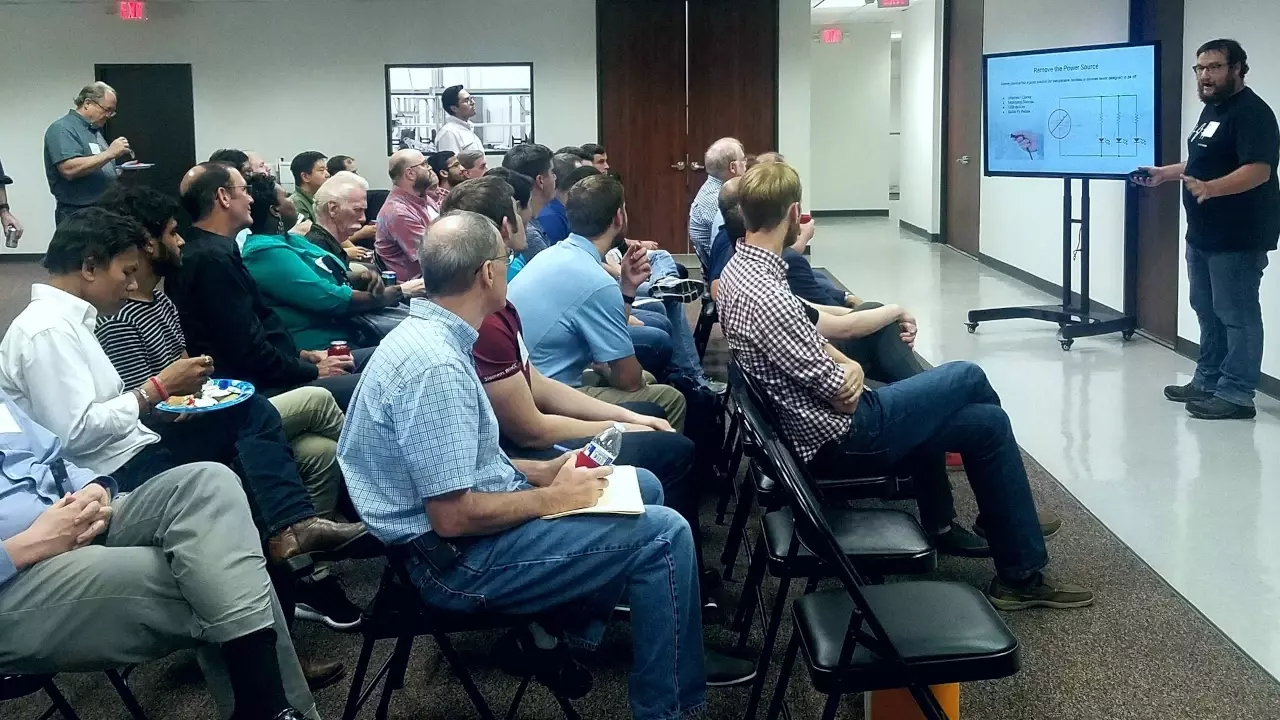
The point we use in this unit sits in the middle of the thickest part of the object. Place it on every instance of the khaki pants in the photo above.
(667, 397)
(181, 567)
(312, 421)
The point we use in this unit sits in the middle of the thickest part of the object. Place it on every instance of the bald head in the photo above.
(721, 156)
(730, 193)
(402, 160)
(458, 244)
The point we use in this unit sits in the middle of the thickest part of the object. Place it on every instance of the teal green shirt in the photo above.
(306, 286)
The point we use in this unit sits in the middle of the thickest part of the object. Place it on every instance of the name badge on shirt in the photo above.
(8, 425)
(524, 351)
(94, 148)
(1210, 129)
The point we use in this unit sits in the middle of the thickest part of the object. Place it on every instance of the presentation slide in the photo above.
(1072, 113)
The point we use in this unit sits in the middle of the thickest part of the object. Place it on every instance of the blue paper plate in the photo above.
(246, 392)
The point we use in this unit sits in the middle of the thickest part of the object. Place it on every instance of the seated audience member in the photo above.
(575, 314)
(404, 217)
(580, 156)
(340, 243)
(599, 157)
(314, 293)
(338, 163)
(249, 164)
(460, 489)
(145, 336)
(819, 396)
(91, 580)
(521, 188)
(448, 175)
(237, 159)
(552, 219)
(473, 164)
(309, 173)
(222, 310)
(534, 161)
(52, 366)
(723, 161)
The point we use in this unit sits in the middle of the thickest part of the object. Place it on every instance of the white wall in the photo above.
(895, 114)
(794, 39)
(1022, 217)
(1253, 23)
(265, 80)
(850, 121)
(920, 145)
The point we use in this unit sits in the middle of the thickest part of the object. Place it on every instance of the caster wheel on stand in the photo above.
(1067, 343)
(973, 327)
(1127, 335)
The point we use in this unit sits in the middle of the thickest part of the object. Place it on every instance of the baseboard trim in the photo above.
(20, 257)
(1267, 385)
(849, 213)
(919, 231)
(1037, 282)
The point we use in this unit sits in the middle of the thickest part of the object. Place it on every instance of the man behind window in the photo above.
(1232, 199)
(457, 133)
(829, 417)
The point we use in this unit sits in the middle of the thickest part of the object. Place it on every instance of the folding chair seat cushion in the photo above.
(947, 633)
(13, 687)
(879, 541)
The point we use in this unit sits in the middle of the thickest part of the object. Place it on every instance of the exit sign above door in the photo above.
(893, 3)
(133, 10)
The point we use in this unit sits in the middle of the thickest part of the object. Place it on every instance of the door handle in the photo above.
(697, 166)
(679, 166)
(963, 159)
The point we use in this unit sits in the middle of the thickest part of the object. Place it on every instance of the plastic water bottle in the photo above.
(603, 448)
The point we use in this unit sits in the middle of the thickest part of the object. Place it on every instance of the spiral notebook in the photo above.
(621, 497)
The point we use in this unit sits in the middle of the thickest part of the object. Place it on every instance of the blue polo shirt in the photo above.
(554, 221)
(571, 310)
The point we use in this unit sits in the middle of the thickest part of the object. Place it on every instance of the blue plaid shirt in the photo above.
(420, 426)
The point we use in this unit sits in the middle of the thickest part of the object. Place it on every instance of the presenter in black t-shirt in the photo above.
(1232, 199)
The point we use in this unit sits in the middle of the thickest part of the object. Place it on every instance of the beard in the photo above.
(165, 262)
(793, 235)
(421, 184)
(1216, 92)
(619, 242)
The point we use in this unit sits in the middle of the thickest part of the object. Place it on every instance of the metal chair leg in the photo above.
(766, 652)
(750, 595)
(741, 514)
(519, 697)
(784, 677)
(464, 677)
(395, 676)
(59, 702)
(356, 695)
(832, 706)
(126, 695)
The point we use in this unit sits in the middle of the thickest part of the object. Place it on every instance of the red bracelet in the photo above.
(155, 382)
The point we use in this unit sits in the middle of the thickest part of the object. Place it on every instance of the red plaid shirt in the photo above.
(774, 342)
(402, 224)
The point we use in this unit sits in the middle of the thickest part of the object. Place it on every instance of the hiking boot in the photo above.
(1185, 393)
(671, 287)
(1215, 408)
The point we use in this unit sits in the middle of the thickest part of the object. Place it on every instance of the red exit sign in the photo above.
(893, 3)
(133, 10)
(831, 35)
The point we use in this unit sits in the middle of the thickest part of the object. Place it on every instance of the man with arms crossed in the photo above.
(828, 416)
(1232, 199)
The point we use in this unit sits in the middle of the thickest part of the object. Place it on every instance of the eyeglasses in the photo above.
(505, 258)
(468, 101)
(109, 112)
(230, 188)
(1210, 68)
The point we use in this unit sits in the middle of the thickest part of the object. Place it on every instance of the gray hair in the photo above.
(96, 92)
(456, 245)
(469, 158)
(723, 153)
(338, 188)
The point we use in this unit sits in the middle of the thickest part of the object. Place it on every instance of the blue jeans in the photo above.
(661, 264)
(672, 321)
(574, 570)
(653, 342)
(953, 408)
(1224, 295)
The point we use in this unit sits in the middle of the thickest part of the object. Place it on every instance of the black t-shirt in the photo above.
(1239, 131)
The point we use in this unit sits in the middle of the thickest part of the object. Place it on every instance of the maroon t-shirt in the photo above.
(499, 351)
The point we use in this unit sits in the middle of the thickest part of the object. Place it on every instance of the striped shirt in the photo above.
(775, 343)
(143, 338)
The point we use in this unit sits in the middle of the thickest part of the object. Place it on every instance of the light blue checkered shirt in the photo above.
(420, 426)
(701, 216)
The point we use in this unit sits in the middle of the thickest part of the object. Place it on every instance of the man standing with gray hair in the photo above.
(78, 162)
(724, 160)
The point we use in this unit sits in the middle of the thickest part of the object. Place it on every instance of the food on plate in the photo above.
(213, 393)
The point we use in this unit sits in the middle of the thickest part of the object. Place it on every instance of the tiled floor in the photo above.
(1198, 501)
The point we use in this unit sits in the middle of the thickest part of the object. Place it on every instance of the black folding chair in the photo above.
(398, 612)
(861, 638)
(13, 687)
(707, 318)
(879, 541)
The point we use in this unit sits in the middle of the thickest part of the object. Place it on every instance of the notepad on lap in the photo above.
(621, 497)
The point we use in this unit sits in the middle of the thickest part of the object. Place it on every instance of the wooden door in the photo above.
(962, 145)
(733, 77)
(157, 115)
(641, 51)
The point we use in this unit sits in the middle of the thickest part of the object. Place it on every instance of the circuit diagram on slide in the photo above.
(1097, 126)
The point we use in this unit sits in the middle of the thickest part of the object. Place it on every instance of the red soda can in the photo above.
(339, 347)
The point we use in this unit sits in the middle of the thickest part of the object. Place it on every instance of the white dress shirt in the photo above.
(457, 135)
(52, 366)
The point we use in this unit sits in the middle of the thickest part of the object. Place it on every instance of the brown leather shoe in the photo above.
(321, 674)
(314, 535)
